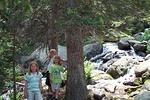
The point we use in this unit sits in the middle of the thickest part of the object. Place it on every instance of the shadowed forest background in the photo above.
(30, 25)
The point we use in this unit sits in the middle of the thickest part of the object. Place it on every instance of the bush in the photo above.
(146, 37)
(19, 96)
(88, 69)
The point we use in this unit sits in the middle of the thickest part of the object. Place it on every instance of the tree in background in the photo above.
(12, 14)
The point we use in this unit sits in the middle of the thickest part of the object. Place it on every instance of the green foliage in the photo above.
(6, 57)
(12, 14)
(146, 35)
(148, 48)
(17, 72)
(1, 98)
(27, 7)
(3, 4)
(84, 14)
(9, 84)
(19, 96)
(88, 66)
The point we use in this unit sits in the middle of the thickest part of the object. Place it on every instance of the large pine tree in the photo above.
(76, 85)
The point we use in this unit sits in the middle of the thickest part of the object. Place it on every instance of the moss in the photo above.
(145, 76)
(147, 81)
(138, 81)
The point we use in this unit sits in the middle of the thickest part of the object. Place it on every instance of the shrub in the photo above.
(146, 37)
(88, 69)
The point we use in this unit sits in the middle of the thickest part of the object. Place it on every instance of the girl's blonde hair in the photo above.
(59, 59)
(29, 69)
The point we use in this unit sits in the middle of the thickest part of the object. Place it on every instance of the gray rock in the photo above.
(132, 42)
(114, 72)
(120, 67)
(134, 93)
(98, 97)
(124, 45)
(98, 75)
(110, 88)
(137, 36)
(142, 68)
(142, 47)
(147, 85)
(147, 57)
(143, 96)
(140, 53)
(91, 50)
(41, 55)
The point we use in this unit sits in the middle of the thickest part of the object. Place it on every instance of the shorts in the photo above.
(34, 95)
(55, 86)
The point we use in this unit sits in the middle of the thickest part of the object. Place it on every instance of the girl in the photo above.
(55, 75)
(52, 53)
(33, 82)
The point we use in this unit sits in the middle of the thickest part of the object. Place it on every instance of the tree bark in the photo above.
(14, 72)
(53, 42)
(53, 31)
(76, 85)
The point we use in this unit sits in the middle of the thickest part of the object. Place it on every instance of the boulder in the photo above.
(147, 57)
(98, 97)
(124, 45)
(144, 95)
(98, 75)
(91, 50)
(114, 72)
(95, 96)
(140, 53)
(132, 42)
(147, 85)
(140, 47)
(142, 68)
(120, 67)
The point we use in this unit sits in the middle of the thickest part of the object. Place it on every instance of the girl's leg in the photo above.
(38, 95)
(53, 88)
(57, 90)
(57, 94)
(30, 96)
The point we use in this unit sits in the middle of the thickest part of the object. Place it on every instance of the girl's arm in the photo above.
(41, 85)
(25, 89)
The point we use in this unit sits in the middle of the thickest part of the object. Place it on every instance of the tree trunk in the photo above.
(14, 72)
(76, 85)
(53, 42)
(53, 31)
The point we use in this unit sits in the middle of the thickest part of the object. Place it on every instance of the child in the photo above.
(52, 53)
(55, 75)
(33, 82)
